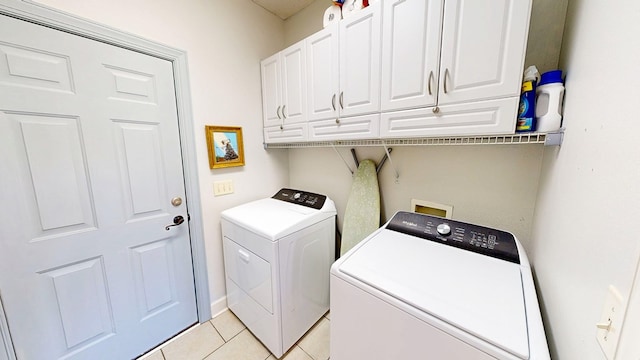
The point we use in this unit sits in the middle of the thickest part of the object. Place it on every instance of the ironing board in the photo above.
(362, 214)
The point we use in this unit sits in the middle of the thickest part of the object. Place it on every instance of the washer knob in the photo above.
(296, 196)
(444, 229)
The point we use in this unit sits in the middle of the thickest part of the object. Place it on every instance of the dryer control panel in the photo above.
(304, 198)
(483, 240)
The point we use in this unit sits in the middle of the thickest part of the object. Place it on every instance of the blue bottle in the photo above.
(526, 115)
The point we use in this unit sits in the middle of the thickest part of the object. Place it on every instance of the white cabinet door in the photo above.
(322, 74)
(483, 46)
(284, 86)
(360, 62)
(410, 53)
(294, 84)
(484, 117)
(348, 128)
(290, 133)
(271, 89)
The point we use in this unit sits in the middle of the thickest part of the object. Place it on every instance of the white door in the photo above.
(89, 162)
(410, 53)
(483, 46)
(294, 83)
(360, 62)
(323, 82)
(271, 89)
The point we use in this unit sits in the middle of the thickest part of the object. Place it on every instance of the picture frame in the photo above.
(225, 146)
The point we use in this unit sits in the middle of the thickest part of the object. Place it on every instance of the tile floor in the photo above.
(226, 338)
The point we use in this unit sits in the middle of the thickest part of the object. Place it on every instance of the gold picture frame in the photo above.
(224, 144)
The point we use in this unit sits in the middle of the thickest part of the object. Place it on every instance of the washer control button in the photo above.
(444, 229)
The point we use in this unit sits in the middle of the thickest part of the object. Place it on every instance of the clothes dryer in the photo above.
(277, 253)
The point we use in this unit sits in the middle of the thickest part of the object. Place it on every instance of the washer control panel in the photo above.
(479, 239)
(304, 198)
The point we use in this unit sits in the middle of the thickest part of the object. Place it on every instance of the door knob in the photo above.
(176, 221)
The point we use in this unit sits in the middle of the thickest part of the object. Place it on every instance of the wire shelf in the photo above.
(524, 138)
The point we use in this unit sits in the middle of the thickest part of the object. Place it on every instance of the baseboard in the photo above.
(219, 306)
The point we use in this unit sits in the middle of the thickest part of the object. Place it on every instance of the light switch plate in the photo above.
(610, 324)
(223, 187)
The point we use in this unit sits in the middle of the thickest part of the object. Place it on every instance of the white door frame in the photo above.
(53, 18)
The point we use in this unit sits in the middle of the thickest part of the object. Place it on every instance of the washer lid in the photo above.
(274, 219)
(473, 292)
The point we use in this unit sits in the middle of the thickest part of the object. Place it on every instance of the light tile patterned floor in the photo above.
(226, 338)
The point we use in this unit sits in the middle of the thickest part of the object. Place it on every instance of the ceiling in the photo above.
(283, 8)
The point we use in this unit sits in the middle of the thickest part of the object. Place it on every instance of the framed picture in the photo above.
(225, 146)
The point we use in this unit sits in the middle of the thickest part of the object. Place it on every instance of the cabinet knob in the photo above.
(337, 121)
(436, 110)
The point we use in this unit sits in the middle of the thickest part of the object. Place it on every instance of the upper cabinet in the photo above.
(452, 67)
(438, 52)
(402, 68)
(284, 87)
(343, 63)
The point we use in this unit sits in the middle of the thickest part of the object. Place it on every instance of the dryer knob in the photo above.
(444, 229)
(296, 196)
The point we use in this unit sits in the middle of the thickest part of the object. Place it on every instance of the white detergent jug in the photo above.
(549, 96)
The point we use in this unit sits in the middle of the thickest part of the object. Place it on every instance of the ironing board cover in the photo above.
(362, 215)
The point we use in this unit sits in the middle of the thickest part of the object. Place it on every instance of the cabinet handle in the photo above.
(430, 81)
(333, 102)
(284, 116)
(446, 75)
(278, 112)
(341, 98)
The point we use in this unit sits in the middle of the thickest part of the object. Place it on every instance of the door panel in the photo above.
(323, 80)
(294, 83)
(482, 46)
(486, 117)
(410, 50)
(89, 160)
(271, 90)
(87, 317)
(360, 62)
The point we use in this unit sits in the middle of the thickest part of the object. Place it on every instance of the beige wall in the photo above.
(491, 185)
(224, 41)
(588, 205)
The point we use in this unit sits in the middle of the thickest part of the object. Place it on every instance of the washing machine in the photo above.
(277, 255)
(424, 287)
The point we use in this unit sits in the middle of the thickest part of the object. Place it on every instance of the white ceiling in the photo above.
(284, 8)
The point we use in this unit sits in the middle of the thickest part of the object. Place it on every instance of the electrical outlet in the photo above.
(610, 324)
(223, 187)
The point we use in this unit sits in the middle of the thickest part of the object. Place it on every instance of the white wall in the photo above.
(588, 204)
(224, 41)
